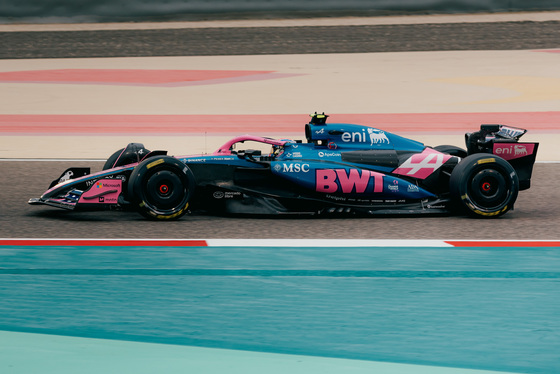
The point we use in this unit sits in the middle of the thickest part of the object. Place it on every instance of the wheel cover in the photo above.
(489, 190)
(165, 191)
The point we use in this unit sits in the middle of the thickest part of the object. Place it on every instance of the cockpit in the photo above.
(249, 146)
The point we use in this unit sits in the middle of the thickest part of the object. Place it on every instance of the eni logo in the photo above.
(520, 150)
(372, 136)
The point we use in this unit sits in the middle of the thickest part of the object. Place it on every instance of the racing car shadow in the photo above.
(325, 216)
(70, 216)
(112, 216)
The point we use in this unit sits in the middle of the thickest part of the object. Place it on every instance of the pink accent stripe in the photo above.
(508, 243)
(548, 50)
(284, 123)
(201, 82)
(105, 243)
(122, 76)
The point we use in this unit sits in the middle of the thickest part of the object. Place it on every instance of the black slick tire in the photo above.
(484, 185)
(451, 150)
(160, 188)
(111, 161)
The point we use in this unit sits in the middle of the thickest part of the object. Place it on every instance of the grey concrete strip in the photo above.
(327, 21)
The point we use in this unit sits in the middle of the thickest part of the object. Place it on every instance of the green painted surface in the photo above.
(22, 353)
(472, 308)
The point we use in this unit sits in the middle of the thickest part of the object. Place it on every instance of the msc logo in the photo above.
(295, 168)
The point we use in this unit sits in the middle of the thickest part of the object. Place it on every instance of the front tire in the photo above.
(484, 185)
(160, 188)
(112, 160)
(134, 152)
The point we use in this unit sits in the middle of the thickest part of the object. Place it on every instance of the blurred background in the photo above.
(142, 10)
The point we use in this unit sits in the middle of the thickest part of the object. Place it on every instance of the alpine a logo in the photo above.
(423, 164)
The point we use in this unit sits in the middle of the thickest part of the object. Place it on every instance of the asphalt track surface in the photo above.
(536, 214)
(280, 40)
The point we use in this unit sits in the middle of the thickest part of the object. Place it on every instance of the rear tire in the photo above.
(160, 188)
(484, 185)
(451, 150)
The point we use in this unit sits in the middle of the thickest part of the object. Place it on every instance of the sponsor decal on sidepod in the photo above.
(104, 191)
(509, 151)
(351, 181)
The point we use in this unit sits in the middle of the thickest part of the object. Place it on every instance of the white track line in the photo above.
(324, 243)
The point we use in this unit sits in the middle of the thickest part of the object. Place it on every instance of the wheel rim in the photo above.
(489, 189)
(165, 191)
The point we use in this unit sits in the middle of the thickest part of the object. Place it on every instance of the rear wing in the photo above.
(503, 141)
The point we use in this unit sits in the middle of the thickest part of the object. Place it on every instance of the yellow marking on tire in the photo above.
(155, 163)
(490, 214)
(485, 161)
(174, 215)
